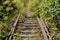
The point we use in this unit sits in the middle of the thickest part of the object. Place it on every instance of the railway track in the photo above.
(30, 29)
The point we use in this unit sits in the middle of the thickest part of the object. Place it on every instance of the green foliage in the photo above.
(49, 10)
(16, 37)
(7, 9)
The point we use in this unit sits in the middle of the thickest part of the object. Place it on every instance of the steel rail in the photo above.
(44, 30)
(13, 28)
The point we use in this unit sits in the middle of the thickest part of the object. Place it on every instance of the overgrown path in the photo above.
(30, 29)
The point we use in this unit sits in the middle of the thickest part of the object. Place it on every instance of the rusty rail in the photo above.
(13, 28)
(44, 30)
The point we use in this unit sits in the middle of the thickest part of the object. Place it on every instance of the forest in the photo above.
(48, 10)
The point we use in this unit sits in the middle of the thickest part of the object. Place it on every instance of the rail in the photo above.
(13, 29)
(44, 29)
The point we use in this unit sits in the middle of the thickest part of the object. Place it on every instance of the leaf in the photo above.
(6, 2)
(1, 7)
(9, 8)
(5, 17)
